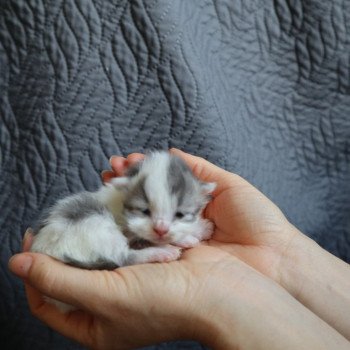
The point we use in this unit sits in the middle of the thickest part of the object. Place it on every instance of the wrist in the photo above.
(295, 260)
(213, 309)
(303, 263)
(318, 280)
(215, 314)
(256, 313)
(235, 311)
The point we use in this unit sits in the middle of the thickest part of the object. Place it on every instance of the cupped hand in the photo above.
(132, 306)
(208, 295)
(247, 224)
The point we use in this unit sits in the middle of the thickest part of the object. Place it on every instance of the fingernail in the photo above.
(104, 172)
(29, 232)
(110, 159)
(27, 239)
(20, 264)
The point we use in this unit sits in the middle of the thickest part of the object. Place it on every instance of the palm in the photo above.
(249, 226)
(161, 287)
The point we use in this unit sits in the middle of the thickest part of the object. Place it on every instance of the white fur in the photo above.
(156, 186)
(94, 236)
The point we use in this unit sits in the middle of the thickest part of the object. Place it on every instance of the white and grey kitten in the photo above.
(159, 202)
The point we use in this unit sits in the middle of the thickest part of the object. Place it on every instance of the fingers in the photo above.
(73, 286)
(134, 158)
(120, 165)
(201, 168)
(205, 170)
(27, 240)
(73, 325)
(107, 175)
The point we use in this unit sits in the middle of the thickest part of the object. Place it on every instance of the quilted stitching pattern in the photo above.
(258, 87)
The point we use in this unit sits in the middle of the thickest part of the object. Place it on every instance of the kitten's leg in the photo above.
(153, 254)
(203, 231)
(188, 241)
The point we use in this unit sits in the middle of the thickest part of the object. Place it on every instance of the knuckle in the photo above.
(198, 169)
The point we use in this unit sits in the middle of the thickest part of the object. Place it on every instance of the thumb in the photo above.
(207, 171)
(73, 286)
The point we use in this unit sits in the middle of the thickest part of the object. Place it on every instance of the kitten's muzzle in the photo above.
(161, 228)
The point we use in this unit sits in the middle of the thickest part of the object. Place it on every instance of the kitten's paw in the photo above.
(187, 242)
(164, 254)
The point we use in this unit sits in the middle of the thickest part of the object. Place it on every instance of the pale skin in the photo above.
(259, 283)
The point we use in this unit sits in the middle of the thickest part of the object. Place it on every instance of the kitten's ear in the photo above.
(208, 187)
(120, 183)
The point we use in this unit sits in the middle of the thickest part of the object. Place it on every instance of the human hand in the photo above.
(125, 308)
(208, 296)
(249, 226)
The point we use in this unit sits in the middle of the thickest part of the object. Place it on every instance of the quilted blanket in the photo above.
(259, 87)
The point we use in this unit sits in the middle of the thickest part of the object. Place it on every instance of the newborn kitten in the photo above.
(158, 203)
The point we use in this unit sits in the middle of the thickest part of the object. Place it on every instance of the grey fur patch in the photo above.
(136, 194)
(139, 243)
(98, 264)
(181, 180)
(42, 221)
(80, 207)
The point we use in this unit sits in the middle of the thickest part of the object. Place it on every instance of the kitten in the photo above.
(156, 207)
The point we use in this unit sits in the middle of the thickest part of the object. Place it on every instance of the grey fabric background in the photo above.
(259, 87)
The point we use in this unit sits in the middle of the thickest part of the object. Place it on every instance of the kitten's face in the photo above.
(164, 200)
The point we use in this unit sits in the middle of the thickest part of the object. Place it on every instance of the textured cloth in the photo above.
(259, 87)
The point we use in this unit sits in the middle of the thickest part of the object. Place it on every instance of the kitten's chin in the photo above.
(152, 238)
(160, 240)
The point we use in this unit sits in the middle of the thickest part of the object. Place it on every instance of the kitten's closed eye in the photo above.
(179, 215)
(146, 212)
(139, 210)
(184, 216)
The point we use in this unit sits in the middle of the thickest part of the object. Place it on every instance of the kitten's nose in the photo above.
(161, 228)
